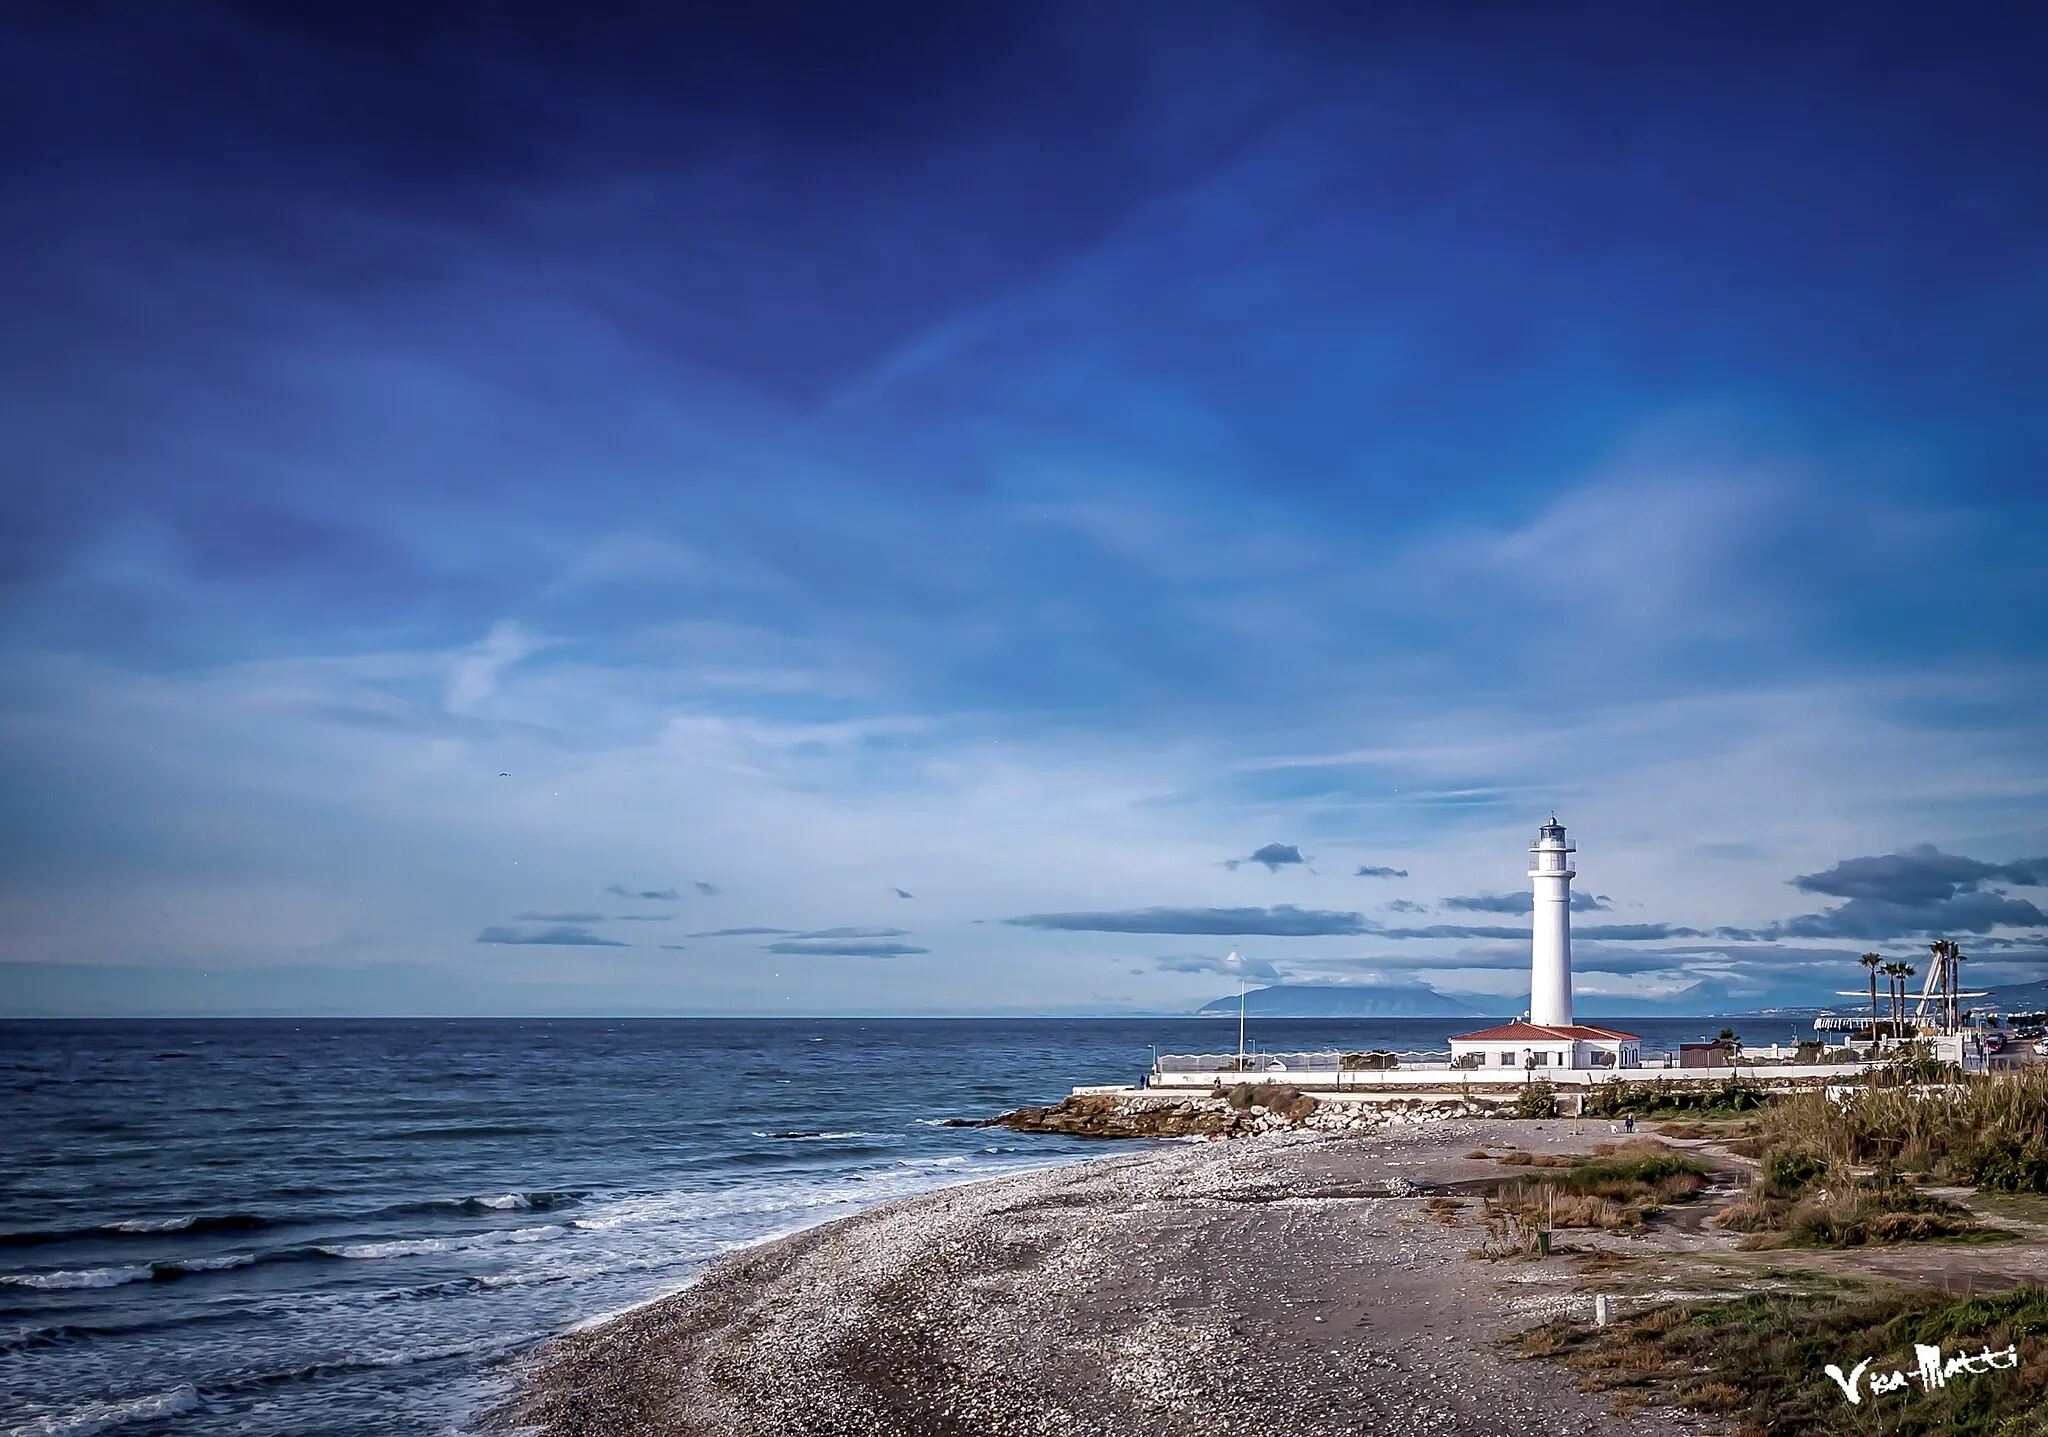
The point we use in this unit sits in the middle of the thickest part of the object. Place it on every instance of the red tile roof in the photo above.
(1528, 1032)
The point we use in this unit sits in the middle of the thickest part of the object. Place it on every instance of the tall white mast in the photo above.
(1550, 939)
(1238, 964)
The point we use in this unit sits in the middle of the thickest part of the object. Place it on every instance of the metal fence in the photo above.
(1272, 1062)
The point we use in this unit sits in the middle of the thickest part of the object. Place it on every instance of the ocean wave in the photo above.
(182, 1224)
(198, 1224)
(80, 1278)
(106, 1416)
(187, 1266)
(427, 1246)
(819, 1137)
(952, 1162)
(541, 1200)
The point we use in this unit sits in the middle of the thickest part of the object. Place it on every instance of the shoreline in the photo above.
(1291, 1281)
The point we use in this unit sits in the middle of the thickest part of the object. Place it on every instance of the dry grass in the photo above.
(1988, 1131)
(1537, 1160)
(1445, 1210)
(1618, 1187)
(1757, 1359)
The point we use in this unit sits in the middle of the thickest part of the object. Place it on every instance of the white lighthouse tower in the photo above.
(1550, 1040)
(1550, 940)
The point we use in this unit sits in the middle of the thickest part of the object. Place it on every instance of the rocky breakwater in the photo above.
(1244, 1111)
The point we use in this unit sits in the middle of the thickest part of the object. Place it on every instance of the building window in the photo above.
(1541, 1060)
(1507, 1059)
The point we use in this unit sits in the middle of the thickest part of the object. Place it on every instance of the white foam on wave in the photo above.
(818, 1137)
(507, 1203)
(106, 1416)
(426, 1246)
(80, 1277)
(153, 1224)
(215, 1264)
(952, 1162)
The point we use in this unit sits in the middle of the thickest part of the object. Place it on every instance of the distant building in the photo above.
(1545, 1045)
(1549, 1039)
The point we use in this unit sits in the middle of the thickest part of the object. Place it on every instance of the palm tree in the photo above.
(1891, 973)
(1870, 961)
(1906, 971)
(1938, 952)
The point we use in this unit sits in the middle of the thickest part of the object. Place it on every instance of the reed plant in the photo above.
(1989, 1131)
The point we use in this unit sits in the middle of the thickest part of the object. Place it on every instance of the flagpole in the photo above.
(1238, 964)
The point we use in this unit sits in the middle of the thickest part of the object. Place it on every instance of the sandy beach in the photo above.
(1294, 1283)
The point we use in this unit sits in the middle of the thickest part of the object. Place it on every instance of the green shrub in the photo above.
(1536, 1100)
(2005, 1166)
(1789, 1171)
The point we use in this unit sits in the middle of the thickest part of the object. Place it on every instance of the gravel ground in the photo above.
(1285, 1286)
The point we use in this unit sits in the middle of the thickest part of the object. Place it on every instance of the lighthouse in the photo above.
(1550, 939)
(1549, 1041)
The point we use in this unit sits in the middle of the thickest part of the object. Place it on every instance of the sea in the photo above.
(316, 1227)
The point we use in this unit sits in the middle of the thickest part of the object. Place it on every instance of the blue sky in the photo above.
(896, 508)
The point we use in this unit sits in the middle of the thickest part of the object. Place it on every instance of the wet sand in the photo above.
(1292, 1284)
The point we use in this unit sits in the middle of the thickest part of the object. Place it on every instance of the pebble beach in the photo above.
(1294, 1282)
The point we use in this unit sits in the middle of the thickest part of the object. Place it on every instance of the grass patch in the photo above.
(1618, 1187)
(1800, 1199)
(1761, 1360)
(1710, 1098)
(1990, 1131)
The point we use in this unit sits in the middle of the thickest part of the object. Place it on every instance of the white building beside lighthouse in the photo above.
(1549, 1038)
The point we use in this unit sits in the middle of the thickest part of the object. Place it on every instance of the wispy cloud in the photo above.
(1285, 920)
(845, 948)
(659, 895)
(1275, 856)
(1367, 870)
(563, 937)
(560, 917)
(737, 932)
(1524, 902)
(1253, 970)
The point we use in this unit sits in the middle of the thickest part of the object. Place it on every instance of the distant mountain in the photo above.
(1345, 1000)
(2014, 997)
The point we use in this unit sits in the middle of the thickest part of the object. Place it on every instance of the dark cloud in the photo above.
(1492, 903)
(1284, 921)
(737, 932)
(660, 895)
(564, 937)
(1367, 870)
(709, 890)
(1402, 905)
(1634, 932)
(902, 893)
(644, 917)
(1524, 903)
(560, 918)
(1873, 918)
(1919, 892)
(1921, 875)
(1256, 970)
(672, 947)
(856, 933)
(844, 948)
(1275, 856)
(1456, 930)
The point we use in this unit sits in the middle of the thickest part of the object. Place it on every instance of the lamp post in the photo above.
(1238, 963)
